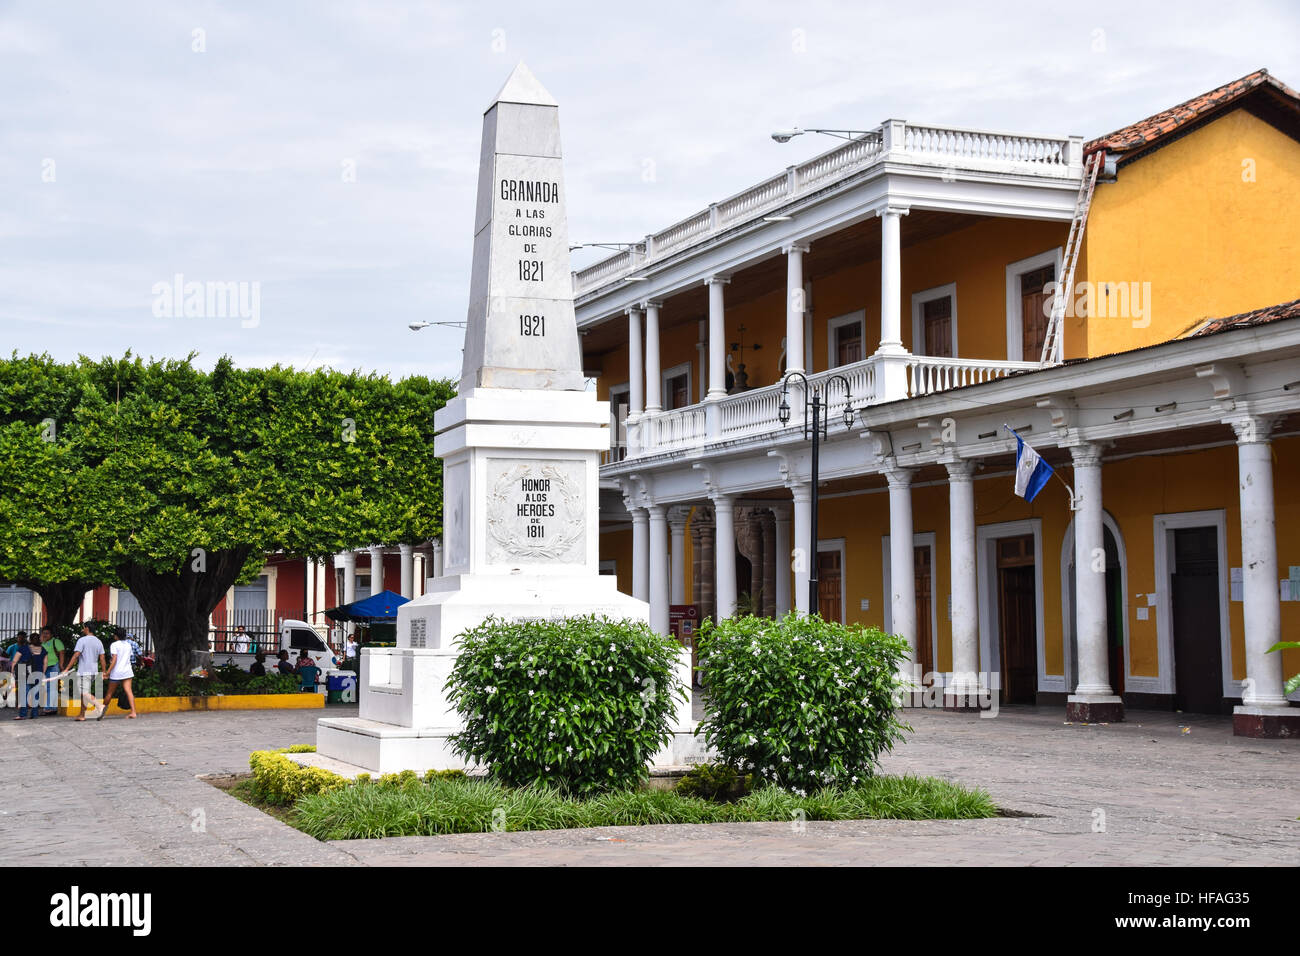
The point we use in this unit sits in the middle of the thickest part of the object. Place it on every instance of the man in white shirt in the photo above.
(88, 658)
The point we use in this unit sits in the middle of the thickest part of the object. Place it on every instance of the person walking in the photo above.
(119, 672)
(88, 659)
(29, 672)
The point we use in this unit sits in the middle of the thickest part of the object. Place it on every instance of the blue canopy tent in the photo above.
(378, 607)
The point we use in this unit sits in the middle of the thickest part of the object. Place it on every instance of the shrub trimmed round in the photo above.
(580, 704)
(801, 702)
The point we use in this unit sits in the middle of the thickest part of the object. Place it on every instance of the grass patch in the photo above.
(430, 807)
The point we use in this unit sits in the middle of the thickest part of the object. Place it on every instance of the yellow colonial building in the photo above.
(1128, 305)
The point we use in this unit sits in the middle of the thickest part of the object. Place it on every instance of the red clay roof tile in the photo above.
(1148, 130)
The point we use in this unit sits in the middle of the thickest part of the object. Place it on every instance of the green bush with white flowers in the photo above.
(580, 704)
(801, 702)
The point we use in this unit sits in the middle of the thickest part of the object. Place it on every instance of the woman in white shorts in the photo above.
(119, 672)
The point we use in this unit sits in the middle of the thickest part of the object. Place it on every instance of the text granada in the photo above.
(529, 190)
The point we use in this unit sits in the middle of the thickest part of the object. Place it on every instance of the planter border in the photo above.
(167, 705)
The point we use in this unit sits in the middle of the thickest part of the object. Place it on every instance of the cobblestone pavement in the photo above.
(1141, 792)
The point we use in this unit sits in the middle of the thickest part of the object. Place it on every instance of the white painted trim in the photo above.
(837, 544)
(986, 563)
(670, 373)
(924, 539)
(1162, 524)
(838, 322)
(1143, 684)
(1015, 320)
(918, 327)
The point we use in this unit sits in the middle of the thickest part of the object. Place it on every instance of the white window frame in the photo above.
(837, 544)
(1162, 525)
(919, 299)
(671, 373)
(1015, 316)
(920, 539)
(837, 323)
(986, 570)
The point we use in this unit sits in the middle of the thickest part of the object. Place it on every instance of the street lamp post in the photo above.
(816, 424)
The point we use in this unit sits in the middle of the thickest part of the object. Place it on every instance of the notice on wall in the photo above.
(1234, 586)
(1143, 613)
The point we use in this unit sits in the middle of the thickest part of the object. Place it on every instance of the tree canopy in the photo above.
(174, 481)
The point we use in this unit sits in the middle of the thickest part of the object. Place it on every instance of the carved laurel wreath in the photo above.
(570, 518)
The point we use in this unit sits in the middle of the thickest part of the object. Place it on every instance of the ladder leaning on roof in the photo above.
(1052, 351)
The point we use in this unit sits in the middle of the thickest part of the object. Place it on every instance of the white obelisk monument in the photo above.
(520, 446)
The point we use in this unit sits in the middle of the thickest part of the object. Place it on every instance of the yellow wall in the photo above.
(1210, 243)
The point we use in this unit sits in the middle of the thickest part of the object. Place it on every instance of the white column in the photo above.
(725, 563)
(1092, 700)
(436, 547)
(653, 376)
(376, 568)
(1263, 701)
(659, 569)
(348, 561)
(902, 564)
(635, 364)
(800, 555)
(960, 693)
(782, 549)
(794, 307)
(677, 572)
(640, 554)
(717, 338)
(891, 370)
(408, 570)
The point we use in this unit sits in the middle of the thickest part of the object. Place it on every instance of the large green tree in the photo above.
(48, 512)
(194, 476)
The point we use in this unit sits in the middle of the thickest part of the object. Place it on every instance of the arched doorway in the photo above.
(1116, 606)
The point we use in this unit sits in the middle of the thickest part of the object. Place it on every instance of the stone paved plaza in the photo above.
(1164, 796)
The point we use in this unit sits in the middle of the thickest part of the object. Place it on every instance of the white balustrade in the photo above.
(1041, 155)
(927, 374)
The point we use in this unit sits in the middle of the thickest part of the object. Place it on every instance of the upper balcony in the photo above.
(934, 167)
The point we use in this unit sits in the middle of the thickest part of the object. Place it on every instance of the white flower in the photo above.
(531, 692)
(568, 749)
(611, 669)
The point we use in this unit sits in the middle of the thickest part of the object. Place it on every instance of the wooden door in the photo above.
(936, 325)
(829, 576)
(1194, 596)
(678, 391)
(848, 343)
(924, 633)
(1018, 619)
(1035, 303)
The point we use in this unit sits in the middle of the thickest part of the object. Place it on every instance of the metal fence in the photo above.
(231, 631)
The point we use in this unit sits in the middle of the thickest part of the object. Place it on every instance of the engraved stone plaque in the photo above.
(536, 511)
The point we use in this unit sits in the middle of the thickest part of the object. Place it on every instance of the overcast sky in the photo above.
(328, 151)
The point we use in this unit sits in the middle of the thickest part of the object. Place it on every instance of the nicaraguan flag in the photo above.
(1031, 471)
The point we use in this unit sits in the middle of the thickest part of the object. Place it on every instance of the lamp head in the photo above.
(784, 411)
(785, 135)
(848, 415)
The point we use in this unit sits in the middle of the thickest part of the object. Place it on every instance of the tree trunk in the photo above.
(177, 604)
(61, 600)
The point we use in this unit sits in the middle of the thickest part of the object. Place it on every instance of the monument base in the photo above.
(405, 718)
